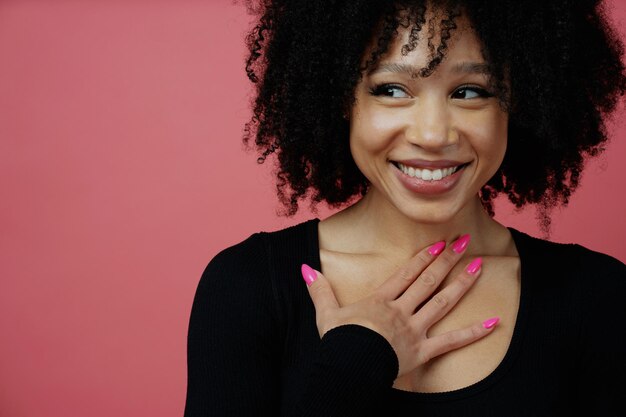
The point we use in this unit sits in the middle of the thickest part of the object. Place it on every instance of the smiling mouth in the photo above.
(427, 174)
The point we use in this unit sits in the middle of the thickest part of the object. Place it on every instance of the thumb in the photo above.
(319, 289)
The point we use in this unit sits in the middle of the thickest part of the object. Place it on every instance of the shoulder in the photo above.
(249, 281)
(258, 246)
(260, 253)
(596, 271)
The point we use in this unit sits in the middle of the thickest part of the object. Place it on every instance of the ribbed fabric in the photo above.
(369, 368)
(254, 349)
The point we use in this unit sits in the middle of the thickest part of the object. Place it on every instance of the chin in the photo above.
(434, 212)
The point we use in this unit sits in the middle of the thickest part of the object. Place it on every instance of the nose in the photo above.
(429, 124)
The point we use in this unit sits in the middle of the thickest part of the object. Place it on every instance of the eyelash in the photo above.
(382, 89)
(481, 92)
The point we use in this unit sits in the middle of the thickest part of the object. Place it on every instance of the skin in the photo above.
(376, 267)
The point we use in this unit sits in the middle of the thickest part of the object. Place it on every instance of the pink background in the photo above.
(122, 173)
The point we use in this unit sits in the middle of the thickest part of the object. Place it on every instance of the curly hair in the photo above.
(556, 67)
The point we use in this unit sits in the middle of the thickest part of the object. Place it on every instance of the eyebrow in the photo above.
(472, 68)
(463, 67)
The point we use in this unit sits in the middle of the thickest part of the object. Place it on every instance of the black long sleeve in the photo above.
(232, 354)
(234, 351)
(254, 349)
(602, 358)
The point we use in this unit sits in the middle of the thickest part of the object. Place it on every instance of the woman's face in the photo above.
(428, 144)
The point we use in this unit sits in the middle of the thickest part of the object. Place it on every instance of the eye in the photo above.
(468, 92)
(389, 90)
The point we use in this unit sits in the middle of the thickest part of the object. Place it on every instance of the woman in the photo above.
(415, 300)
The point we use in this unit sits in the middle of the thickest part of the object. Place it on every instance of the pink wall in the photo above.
(122, 174)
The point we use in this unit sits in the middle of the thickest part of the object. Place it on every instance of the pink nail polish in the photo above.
(308, 274)
(474, 266)
(488, 324)
(437, 248)
(461, 243)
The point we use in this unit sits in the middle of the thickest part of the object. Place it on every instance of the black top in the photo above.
(254, 348)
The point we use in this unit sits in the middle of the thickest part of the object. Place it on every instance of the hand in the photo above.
(392, 310)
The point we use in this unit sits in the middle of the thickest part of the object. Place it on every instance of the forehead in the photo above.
(435, 40)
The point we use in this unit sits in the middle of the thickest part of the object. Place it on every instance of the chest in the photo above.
(496, 293)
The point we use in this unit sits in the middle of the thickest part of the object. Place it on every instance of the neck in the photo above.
(385, 230)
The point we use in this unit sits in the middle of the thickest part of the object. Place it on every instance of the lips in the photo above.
(429, 170)
(428, 174)
(429, 177)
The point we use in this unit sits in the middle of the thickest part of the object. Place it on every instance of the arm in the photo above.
(234, 349)
(235, 341)
(602, 380)
(352, 372)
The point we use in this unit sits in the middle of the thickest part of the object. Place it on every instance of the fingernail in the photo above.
(461, 243)
(308, 274)
(488, 324)
(437, 248)
(474, 266)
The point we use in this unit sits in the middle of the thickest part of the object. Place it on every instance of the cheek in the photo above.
(370, 131)
(369, 143)
(492, 134)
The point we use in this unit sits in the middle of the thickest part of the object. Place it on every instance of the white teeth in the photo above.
(427, 174)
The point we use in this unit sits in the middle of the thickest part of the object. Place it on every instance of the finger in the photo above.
(442, 302)
(429, 280)
(320, 290)
(443, 343)
(404, 276)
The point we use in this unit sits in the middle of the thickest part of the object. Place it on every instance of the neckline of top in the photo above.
(520, 240)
